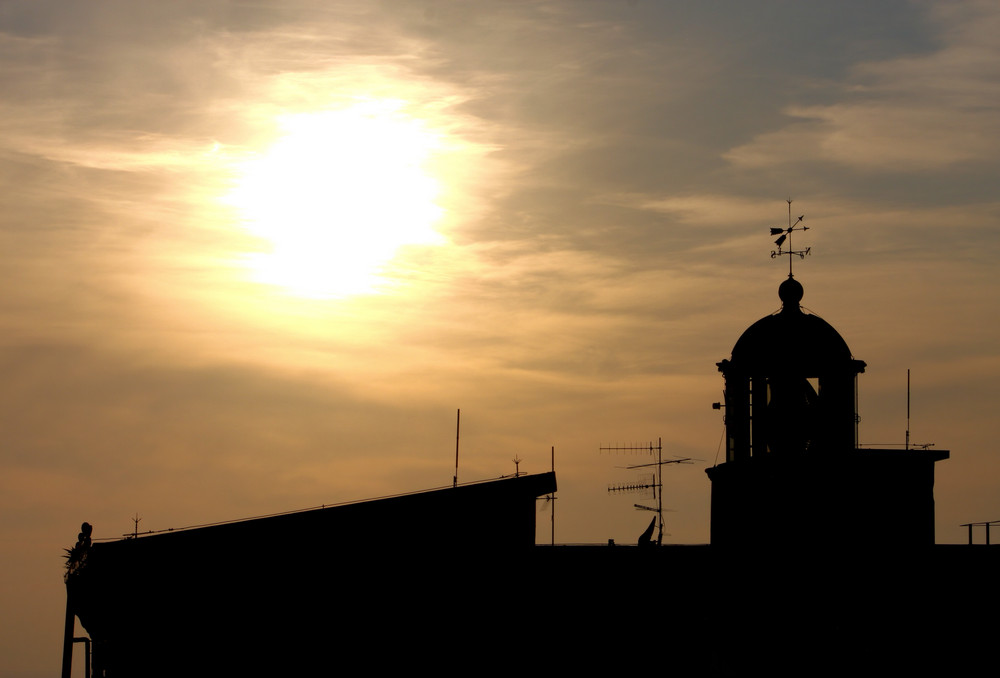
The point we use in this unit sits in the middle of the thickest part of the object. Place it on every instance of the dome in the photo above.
(790, 341)
(790, 386)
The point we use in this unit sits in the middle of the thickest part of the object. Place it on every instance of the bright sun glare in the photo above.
(336, 196)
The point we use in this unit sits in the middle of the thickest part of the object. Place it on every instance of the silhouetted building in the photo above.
(301, 592)
(794, 474)
(821, 563)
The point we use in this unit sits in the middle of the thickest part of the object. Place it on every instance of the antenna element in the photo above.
(652, 481)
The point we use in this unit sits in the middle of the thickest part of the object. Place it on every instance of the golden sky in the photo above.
(257, 254)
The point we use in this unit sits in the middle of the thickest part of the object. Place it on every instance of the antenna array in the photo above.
(651, 482)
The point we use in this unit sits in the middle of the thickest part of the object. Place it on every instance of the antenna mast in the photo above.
(650, 483)
(458, 425)
(907, 409)
(550, 500)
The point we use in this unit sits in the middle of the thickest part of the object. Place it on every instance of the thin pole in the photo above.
(553, 500)
(907, 408)
(458, 426)
(659, 472)
(86, 654)
(69, 630)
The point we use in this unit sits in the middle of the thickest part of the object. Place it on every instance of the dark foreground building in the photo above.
(383, 582)
(822, 562)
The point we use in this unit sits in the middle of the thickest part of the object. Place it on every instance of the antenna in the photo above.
(458, 425)
(786, 234)
(647, 482)
(517, 466)
(135, 525)
(907, 446)
(550, 500)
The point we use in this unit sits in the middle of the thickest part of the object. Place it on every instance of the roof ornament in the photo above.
(786, 234)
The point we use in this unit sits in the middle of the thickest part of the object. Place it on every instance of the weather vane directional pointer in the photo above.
(786, 234)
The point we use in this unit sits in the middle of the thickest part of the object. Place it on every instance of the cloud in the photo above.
(610, 173)
(915, 113)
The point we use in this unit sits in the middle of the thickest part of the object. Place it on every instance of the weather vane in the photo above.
(786, 234)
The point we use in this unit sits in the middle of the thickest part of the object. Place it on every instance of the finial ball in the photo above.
(790, 292)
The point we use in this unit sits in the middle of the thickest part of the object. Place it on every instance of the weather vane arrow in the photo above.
(785, 235)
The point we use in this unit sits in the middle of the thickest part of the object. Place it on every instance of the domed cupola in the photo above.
(790, 385)
(794, 473)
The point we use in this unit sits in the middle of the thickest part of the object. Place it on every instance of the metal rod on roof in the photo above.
(458, 425)
(907, 408)
(552, 501)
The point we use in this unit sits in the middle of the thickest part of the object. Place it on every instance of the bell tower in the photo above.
(794, 473)
(791, 386)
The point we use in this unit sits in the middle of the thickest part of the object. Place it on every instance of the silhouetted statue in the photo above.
(76, 557)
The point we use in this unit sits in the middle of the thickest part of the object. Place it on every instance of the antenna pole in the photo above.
(553, 497)
(907, 408)
(659, 481)
(652, 482)
(458, 426)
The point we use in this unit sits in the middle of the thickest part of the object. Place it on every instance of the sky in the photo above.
(256, 255)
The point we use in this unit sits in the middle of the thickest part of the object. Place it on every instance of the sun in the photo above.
(336, 196)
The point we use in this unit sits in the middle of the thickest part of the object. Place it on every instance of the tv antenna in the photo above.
(550, 500)
(785, 234)
(647, 482)
(517, 466)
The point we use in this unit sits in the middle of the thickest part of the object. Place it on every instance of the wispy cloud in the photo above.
(608, 172)
(913, 113)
